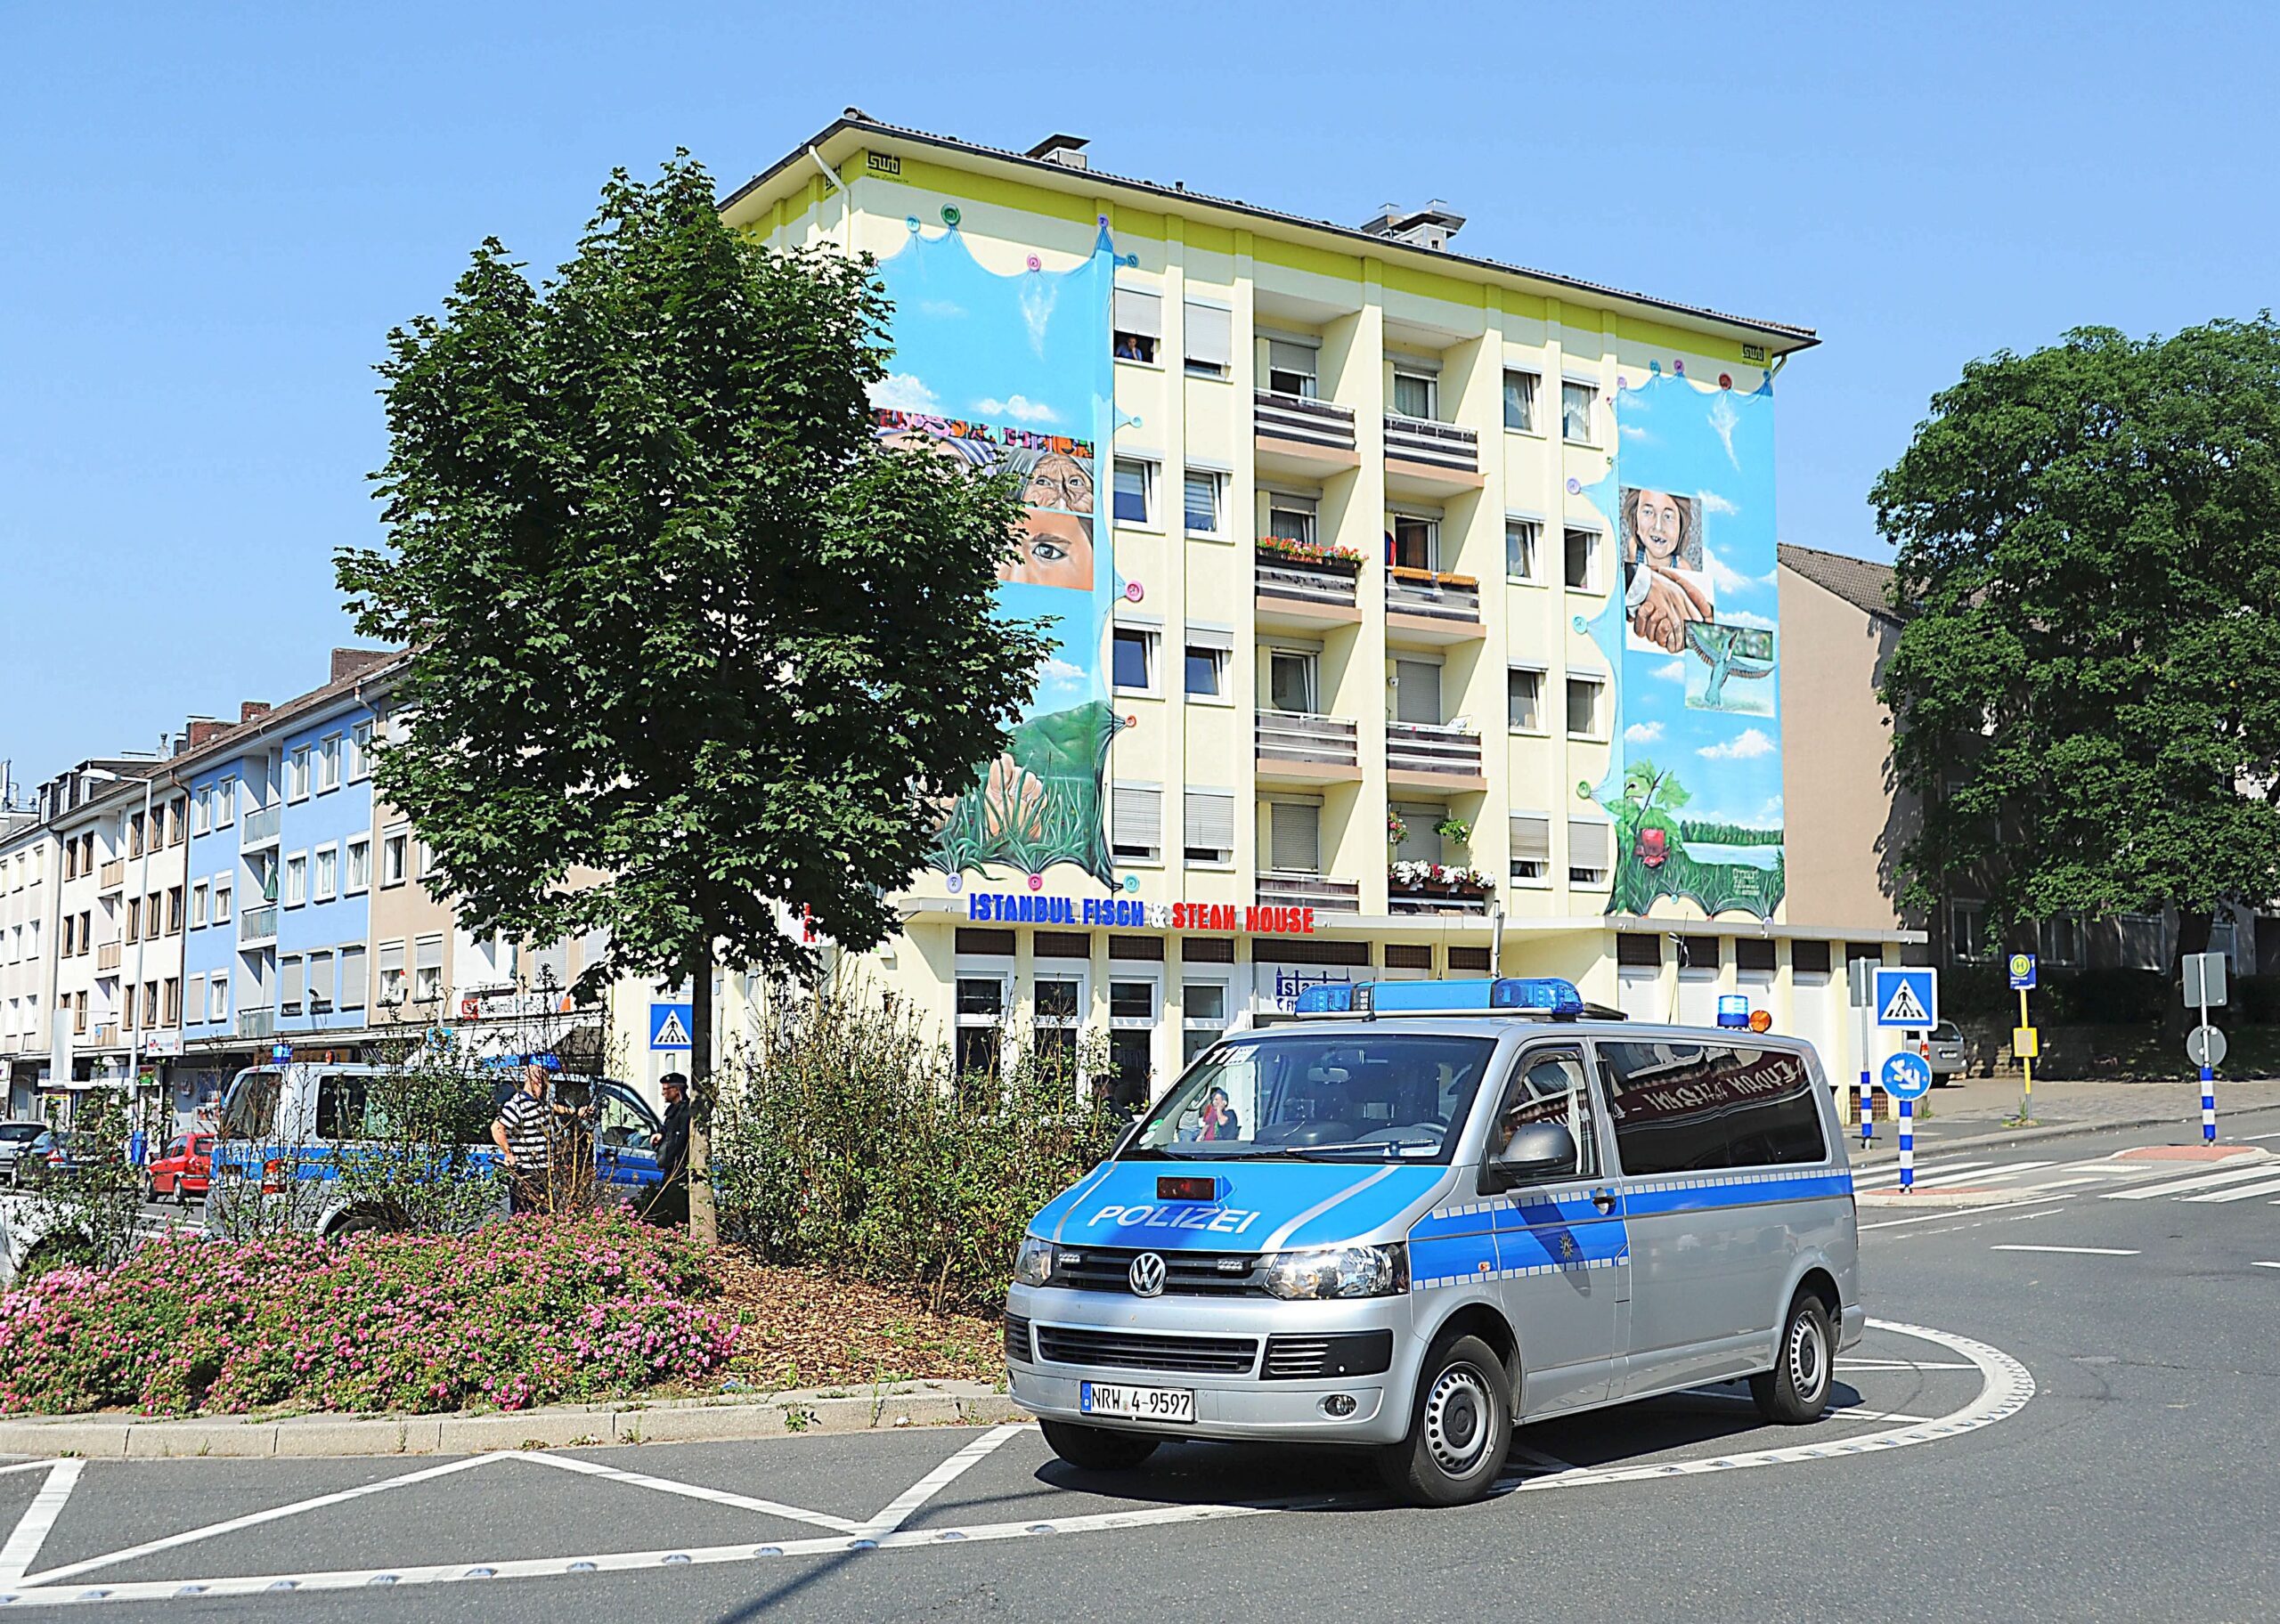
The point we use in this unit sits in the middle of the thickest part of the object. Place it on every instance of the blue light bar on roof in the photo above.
(1331, 998)
(1547, 994)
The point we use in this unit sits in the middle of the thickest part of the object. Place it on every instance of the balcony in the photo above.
(257, 925)
(107, 956)
(1430, 606)
(1301, 437)
(1433, 756)
(1303, 587)
(1288, 889)
(106, 1035)
(1299, 749)
(259, 825)
(257, 1023)
(1430, 458)
(1431, 888)
(112, 875)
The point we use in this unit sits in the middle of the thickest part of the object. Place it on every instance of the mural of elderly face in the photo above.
(1059, 481)
(1663, 530)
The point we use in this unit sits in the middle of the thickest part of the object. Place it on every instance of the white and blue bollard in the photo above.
(1867, 1107)
(2208, 1105)
(1908, 1144)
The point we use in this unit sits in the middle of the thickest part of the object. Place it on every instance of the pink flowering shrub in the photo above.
(534, 1310)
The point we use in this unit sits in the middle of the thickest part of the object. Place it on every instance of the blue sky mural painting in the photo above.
(1695, 782)
(1014, 371)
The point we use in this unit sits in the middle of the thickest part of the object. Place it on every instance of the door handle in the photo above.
(1604, 1200)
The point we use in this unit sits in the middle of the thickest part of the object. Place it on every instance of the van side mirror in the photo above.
(1536, 1150)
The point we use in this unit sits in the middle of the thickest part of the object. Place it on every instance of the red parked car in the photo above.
(182, 1168)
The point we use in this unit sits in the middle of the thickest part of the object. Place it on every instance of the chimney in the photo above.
(1067, 151)
(252, 711)
(201, 730)
(347, 662)
(1429, 227)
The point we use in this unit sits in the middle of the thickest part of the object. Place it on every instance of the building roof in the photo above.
(1860, 583)
(1784, 337)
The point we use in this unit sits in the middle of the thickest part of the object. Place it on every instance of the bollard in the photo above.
(2208, 1101)
(1867, 1107)
(1908, 1144)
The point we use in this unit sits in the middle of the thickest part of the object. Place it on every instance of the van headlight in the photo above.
(1338, 1272)
(1033, 1263)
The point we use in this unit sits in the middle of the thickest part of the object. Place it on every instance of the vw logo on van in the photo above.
(1147, 1275)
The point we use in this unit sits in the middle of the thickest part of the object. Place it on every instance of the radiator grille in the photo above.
(1195, 1274)
(1066, 1344)
(1017, 1340)
(1299, 1359)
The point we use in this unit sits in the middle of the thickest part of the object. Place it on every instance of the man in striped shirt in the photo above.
(524, 1133)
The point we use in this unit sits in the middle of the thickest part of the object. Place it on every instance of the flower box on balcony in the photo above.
(1430, 578)
(1309, 556)
(1453, 881)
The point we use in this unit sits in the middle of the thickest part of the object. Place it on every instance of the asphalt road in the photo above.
(2139, 1481)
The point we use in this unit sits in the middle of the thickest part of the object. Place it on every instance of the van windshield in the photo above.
(250, 1111)
(1371, 1096)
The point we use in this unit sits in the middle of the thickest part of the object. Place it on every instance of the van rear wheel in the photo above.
(1096, 1449)
(1795, 1391)
(1460, 1431)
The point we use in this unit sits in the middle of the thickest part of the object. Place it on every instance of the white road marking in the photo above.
(2007, 1208)
(2045, 1186)
(2255, 1138)
(1898, 1364)
(2204, 1181)
(898, 1510)
(2244, 1194)
(1978, 1173)
(2266, 1266)
(31, 1528)
(694, 1491)
(2085, 1251)
(1853, 1412)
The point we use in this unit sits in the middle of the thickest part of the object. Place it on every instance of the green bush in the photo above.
(842, 1139)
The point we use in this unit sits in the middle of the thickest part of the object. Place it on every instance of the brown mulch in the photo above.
(803, 1327)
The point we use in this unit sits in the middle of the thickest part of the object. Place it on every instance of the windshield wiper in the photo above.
(1384, 1150)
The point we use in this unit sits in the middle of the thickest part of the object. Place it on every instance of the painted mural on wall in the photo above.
(1695, 783)
(1001, 371)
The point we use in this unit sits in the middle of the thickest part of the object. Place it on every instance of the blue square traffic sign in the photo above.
(1907, 997)
(2022, 968)
(668, 1026)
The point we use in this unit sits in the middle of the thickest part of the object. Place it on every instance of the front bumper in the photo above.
(1228, 1407)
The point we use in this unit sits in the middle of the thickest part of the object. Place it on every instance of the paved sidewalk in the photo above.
(1973, 1110)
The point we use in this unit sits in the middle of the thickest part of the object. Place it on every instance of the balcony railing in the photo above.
(1432, 747)
(112, 875)
(257, 1023)
(107, 1035)
(1308, 422)
(1443, 445)
(1436, 896)
(257, 924)
(1289, 889)
(1279, 575)
(106, 955)
(1445, 597)
(260, 824)
(1295, 735)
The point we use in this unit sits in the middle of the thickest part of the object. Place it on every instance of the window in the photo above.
(1417, 691)
(1531, 847)
(392, 986)
(1549, 1085)
(2063, 940)
(393, 849)
(360, 865)
(1204, 488)
(1203, 1015)
(194, 1002)
(1689, 1107)
(1575, 403)
(1639, 951)
(205, 815)
(221, 902)
(1968, 929)
(1519, 401)
(1207, 832)
(327, 881)
(1135, 491)
(1416, 542)
(1583, 707)
(175, 833)
(1289, 518)
(296, 879)
(297, 775)
(1588, 843)
(87, 932)
(1206, 670)
(1060, 1008)
(1139, 324)
(198, 905)
(78, 1013)
(217, 998)
(1523, 549)
(425, 858)
(1291, 681)
(69, 926)
(1293, 368)
(1754, 954)
(360, 751)
(1582, 559)
(134, 919)
(1136, 823)
(1210, 340)
(170, 1001)
(135, 835)
(427, 969)
(174, 910)
(226, 803)
(1416, 394)
(1135, 664)
(1523, 699)
(329, 762)
(321, 982)
(980, 1007)
(1294, 837)
(292, 971)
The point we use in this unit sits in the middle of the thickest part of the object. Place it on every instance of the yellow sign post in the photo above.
(2026, 1042)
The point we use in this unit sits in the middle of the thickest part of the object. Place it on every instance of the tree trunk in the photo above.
(704, 1223)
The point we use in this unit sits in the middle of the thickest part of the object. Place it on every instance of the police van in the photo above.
(1422, 1213)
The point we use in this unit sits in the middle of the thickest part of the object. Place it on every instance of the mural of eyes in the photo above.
(1046, 550)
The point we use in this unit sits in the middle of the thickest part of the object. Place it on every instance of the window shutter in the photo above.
(295, 979)
(392, 958)
(1210, 340)
(1209, 637)
(1209, 816)
(429, 953)
(1139, 313)
(1587, 843)
(1294, 835)
(1532, 838)
(1138, 814)
(351, 978)
(1285, 357)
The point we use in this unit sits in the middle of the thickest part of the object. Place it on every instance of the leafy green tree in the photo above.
(684, 632)
(2087, 696)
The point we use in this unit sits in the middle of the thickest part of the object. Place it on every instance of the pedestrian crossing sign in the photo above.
(1907, 998)
(669, 1025)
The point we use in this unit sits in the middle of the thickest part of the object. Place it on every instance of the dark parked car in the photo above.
(1950, 1052)
(15, 1139)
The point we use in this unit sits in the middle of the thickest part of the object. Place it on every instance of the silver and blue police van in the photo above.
(1420, 1213)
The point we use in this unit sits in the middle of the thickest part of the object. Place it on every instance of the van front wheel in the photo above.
(1096, 1449)
(1460, 1431)
(1795, 1391)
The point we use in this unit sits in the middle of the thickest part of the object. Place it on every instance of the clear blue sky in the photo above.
(217, 212)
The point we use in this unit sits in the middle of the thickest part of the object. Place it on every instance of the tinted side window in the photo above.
(340, 1107)
(250, 1112)
(1549, 1085)
(1694, 1108)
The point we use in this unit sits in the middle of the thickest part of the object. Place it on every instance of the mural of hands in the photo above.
(1671, 602)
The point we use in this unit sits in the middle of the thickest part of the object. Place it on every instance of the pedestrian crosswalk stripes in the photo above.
(2107, 1178)
(2245, 1193)
(2204, 1181)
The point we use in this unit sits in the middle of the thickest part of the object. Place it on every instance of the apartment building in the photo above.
(1379, 583)
(30, 858)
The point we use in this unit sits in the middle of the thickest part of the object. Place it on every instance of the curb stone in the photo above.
(781, 1414)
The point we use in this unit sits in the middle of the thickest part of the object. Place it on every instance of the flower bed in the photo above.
(532, 1311)
(1310, 555)
(1439, 878)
